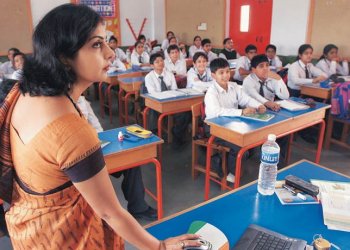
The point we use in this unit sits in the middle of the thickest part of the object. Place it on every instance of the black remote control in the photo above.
(302, 185)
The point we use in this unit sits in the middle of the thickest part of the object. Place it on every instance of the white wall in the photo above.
(40, 8)
(135, 10)
(289, 25)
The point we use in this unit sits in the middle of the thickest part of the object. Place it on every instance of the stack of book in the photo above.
(335, 199)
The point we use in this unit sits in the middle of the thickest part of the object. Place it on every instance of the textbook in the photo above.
(211, 235)
(287, 198)
(335, 200)
(259, 117)
(292, 105)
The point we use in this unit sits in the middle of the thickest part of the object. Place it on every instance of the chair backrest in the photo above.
(198, 117)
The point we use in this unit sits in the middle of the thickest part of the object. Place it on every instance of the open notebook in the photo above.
(292, 105)
(175, 93)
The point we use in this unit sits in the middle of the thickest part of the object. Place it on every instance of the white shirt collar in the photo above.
(302, 64)
(221, 89)
(157, 74)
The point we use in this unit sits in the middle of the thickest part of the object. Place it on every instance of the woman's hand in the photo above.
(180, 242)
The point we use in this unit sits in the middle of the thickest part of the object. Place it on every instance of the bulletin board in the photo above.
(109, 10)
(183, 17)
(16, 26)
(330, 24)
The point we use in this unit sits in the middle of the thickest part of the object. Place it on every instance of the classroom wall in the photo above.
(40, 8)
(289, 25)
(180, 18)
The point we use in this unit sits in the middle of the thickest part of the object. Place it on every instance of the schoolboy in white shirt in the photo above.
(18, 59)
(275, 63)
(223, 99)
(206, 45)
(159, 80)
(174, 63)
(139, 57)
(8, 67)
(199, 76)
(331, 64)
(243, 67)
(165, 43)
(264, 85)
(228, 52)
(113, 44)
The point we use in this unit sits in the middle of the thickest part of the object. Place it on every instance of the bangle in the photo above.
(162, 245)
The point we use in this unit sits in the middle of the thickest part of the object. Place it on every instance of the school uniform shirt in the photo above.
(275, 63)
(332, 67)
(153, 82)
(166, 55)
(118, 64)
(197, 81)
(136, 57)
(219, 102)
(193, 50)
(120, 54)
(179, 67)
(211, 56)
(271, 88)
(244, 63)
(7, 68)
(17, 75)
(89, 114)
(165, 44)
(229, 54)
(297, 74)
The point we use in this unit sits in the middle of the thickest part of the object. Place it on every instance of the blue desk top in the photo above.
(172, 98)
(132, 79)
(243, 125)
(116, 146)
(234, 212)
(288, 113)
(119, 72)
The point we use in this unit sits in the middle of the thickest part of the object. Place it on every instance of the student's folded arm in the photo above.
(245, 100)
(221, 55)
(135, 60)
(318, 72)
(213, 108)
(281, 90)
(243, 72)
(344, 68)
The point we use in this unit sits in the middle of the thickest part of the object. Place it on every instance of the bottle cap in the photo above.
(271, 137)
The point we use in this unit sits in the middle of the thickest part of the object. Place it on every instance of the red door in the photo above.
(259, 28)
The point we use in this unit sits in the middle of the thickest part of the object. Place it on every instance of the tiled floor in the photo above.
(181, 192)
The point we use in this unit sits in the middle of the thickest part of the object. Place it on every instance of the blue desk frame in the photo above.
(235, 210)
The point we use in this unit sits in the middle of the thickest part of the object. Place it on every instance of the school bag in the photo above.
(340, 100)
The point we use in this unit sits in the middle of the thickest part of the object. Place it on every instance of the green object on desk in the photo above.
(259, 117)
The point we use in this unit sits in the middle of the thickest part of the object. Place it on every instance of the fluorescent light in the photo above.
(245, 12)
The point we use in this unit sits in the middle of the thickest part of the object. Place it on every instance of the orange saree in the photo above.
(47, 211)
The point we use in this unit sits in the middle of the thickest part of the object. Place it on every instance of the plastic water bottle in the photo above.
(270, 152)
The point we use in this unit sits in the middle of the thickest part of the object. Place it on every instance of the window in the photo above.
(244, 24)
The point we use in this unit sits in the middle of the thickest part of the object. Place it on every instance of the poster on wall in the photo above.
(109, 10)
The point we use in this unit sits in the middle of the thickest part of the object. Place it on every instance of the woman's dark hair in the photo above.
(302, 49)
(113, 38)
(328, 48)
(194, 39)
(58, 36)
(198, 55)
(141, 37)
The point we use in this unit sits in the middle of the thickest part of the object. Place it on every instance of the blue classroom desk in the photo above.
(233, 212)
(128, 154)
(248, 133)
